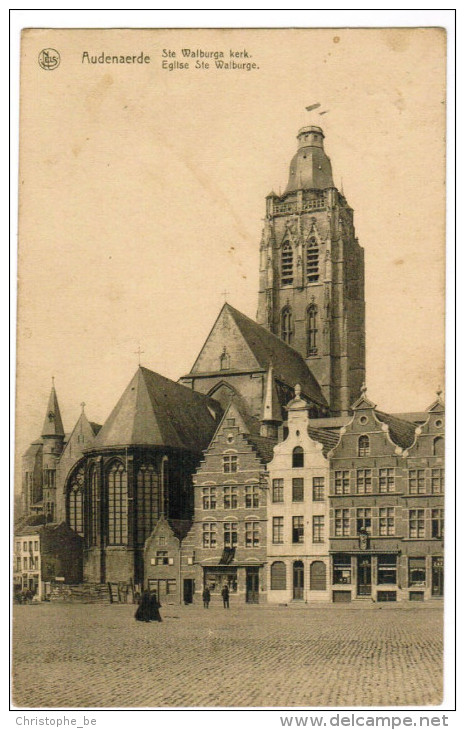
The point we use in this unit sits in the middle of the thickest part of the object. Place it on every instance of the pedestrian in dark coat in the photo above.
(143, 610)
(155, 606)
(225, 595)
(206, 597)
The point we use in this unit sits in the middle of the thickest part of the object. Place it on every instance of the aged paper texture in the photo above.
(245, 333)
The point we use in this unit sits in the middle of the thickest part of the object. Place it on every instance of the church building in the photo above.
(265, 467)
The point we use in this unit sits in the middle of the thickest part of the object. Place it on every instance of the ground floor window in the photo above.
(383, 596)
(417, 571)
(342, 572)
(318, 576)
(216, 579)
(437, 565)
(278, 576)
(387, 569)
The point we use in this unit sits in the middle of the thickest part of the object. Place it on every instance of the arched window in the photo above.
(94, 505)
(287, 264)
(278, 576)
(286, 325)
(438, 446)
(298, 457)
(76, 502)
(117, 505)
(312, 330)
(312, 260)
(318, 576)
(147, 501)
(363, 446)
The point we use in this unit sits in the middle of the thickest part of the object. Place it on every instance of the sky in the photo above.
(142, 194)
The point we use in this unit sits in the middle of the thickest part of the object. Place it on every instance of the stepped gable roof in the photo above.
(156, 411)
(249, 427)
(269, 350)
(401, 432)
(53, 425)
(326, 437)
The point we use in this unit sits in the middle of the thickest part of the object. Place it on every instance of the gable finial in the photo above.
(439, 391)
(53, 381)
(364, 388)
(297, 390)
(83, 405)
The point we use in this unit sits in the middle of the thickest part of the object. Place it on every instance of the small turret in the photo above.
(271, 415)
(310, 167)
(53, 436)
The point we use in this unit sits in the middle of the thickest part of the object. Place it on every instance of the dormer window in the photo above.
(363, 446)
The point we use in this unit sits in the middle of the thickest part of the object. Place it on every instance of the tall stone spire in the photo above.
(53, 425)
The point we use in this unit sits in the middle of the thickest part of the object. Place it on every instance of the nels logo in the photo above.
(49, 59)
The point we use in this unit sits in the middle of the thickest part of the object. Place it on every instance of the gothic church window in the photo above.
(287, 264)
(312, 330)
(147, 501)
(76, 502)
(312, 260)
(117, 505)
(95, 505)
(286, 325)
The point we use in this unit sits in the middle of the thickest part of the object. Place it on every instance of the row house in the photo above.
(229, 535)
(386, 506)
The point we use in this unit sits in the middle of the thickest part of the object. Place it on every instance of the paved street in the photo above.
(98, 656)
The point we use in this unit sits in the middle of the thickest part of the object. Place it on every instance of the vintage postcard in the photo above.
(230, 369)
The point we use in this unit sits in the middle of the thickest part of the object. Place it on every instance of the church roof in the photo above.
(270, 351)
(53, 425)
(156, 411)
(262, 445)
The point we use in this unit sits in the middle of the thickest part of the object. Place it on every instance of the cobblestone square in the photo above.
(69, 655)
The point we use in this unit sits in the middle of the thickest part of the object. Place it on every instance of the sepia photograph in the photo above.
(230, 382)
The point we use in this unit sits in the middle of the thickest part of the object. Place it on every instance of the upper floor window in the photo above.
(209, 498)
(386, 480)
(162, 557)
(230, 497)
(363, 481)
(341, 523)
(287, 264)
(312, 330)
(252, 534)
(364, 520)
(209, 534)
(416, 481)
(230, 534)
(298, 457)
(438, 446)
(298, 490)
(318, 528)
(277, 494)
(437, 481)
(298, 529)
(312, 260)
(363, 446)
(252, 496)
(341, 482)
(278, 530)
(286, 325)
(229, 464)
(416, 523)
(386, 521)
(437, 523)
(318, 489)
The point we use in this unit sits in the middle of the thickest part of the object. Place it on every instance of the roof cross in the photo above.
(139, 352)
(225, 294)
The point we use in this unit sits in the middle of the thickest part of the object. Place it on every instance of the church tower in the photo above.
(53, 436)
(311, 291)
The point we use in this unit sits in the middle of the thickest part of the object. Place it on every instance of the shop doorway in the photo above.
(251, 585)
(188, 590)
(437, 588)
(363, 575)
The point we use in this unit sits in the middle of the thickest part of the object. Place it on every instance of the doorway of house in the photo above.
(363, 575)
(437, 588)
(251, 585)
(188, 590)
(298, 580)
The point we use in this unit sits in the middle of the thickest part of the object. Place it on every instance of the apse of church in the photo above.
(311, 291)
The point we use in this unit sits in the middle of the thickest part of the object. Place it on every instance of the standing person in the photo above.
(206, 597)
(225, 595)
(143, 610)
(155, 608)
